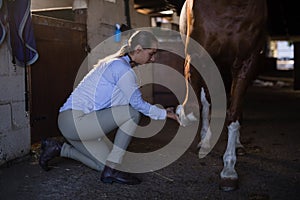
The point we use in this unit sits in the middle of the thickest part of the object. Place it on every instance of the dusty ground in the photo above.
(269, 170)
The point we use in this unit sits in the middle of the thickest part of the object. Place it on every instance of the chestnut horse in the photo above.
(233, 33)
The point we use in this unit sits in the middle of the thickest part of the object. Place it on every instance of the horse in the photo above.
(233, 32)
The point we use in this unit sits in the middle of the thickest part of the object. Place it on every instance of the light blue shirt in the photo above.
(114, 83)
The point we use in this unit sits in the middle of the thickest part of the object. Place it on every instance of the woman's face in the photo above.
(146, 55)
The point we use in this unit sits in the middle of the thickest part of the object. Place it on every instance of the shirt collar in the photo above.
(130, 62)
(127, 58)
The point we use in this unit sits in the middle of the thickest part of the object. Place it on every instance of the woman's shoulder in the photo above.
(120, 60)
(119, 64)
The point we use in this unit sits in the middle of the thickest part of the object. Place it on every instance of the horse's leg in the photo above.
(241, 80)
(229, 177)
(239, 147)
(205, 116)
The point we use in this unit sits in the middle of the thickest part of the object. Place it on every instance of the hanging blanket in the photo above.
(21, 36)
(2, 27)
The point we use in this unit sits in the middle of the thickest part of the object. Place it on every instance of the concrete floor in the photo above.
(269, 170)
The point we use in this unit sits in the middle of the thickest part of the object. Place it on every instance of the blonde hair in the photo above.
(140, 37)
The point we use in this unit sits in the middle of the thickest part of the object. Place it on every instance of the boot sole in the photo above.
(111, 180)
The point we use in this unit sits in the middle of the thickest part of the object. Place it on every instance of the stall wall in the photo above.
(14, 121)
(104, 14)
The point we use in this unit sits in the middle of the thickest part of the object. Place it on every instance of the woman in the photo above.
(107, 98)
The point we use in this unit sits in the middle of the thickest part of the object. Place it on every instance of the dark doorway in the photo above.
(61, 45)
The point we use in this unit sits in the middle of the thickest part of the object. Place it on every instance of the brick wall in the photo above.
(14, 124)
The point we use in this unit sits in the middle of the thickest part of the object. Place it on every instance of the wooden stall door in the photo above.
(61, 45)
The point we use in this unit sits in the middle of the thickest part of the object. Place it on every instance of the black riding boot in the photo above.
(49, 149)
(110, 175)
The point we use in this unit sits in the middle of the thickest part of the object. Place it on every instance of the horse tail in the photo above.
(189, 23)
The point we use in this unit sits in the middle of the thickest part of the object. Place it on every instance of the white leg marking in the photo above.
(238, 142)
(205, 130)
(229, 157)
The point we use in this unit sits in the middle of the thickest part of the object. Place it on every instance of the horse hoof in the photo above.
(228, 184)
(240, 151)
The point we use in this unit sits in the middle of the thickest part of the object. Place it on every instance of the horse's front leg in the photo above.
(229, 176)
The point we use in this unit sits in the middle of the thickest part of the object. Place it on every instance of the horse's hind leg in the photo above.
(205, 133)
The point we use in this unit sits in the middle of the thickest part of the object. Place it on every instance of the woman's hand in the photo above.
(171, 114)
